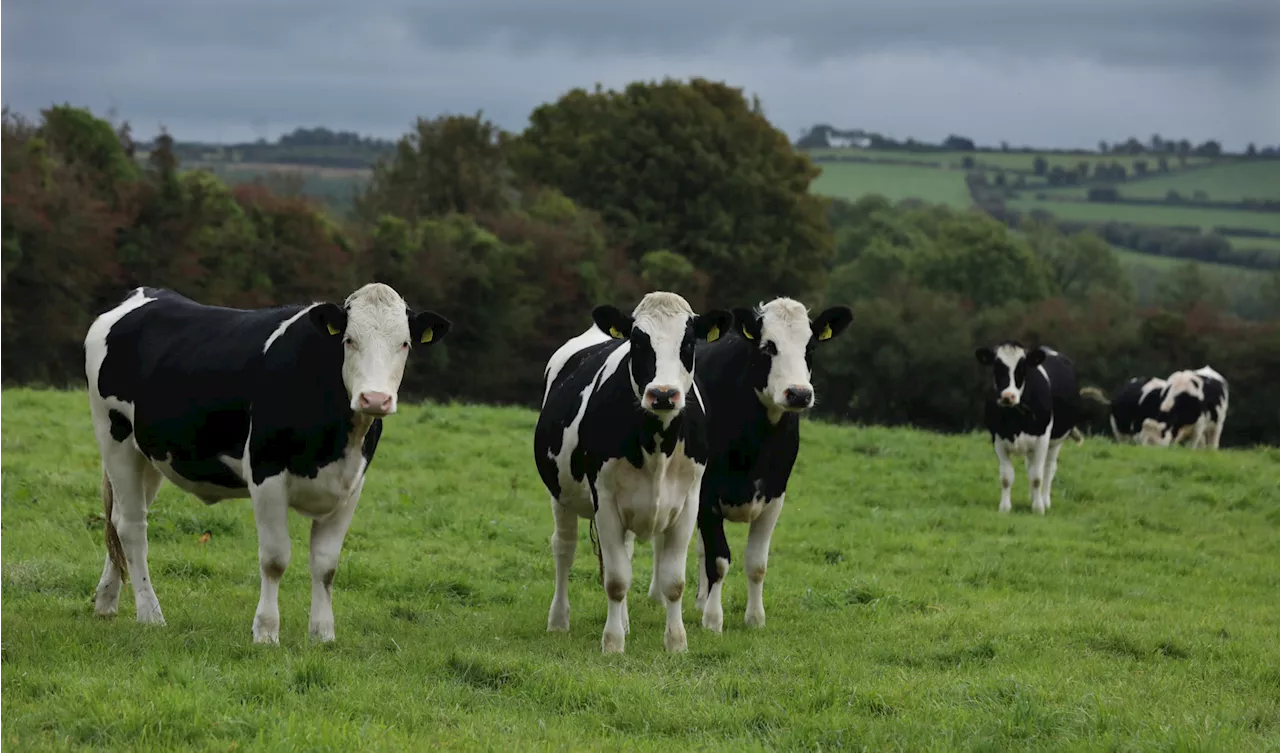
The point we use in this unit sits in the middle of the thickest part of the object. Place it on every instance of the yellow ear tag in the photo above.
(826, 333)
(714, 334)
(747, 334)
(427, 334)
(613, 332)
(332, 330)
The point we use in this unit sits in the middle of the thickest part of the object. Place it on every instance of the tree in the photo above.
(1103, 147)
(693, 168)
(1185, 286)
(958, 143)
(1040, 166)
(1079, 265)
(454, 163)
(1251, 151)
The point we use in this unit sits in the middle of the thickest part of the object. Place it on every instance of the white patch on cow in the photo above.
(592, 336)
(785, 323)
(745, 513)
(1154, 433)
(1041, 454)
(1210, 434)
(95, 340)
(664, 318)
(1155, 383)
(1182, 383)
(713, 609)
(376, 342)
(284, 326)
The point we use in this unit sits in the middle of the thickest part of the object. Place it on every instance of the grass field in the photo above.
(905, 613)
(1225, 182)
(849, 180)
(1151, 215)
(1001, 160)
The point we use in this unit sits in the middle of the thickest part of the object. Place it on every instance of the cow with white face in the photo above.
(1034, 408)
(621, 441)
(282, 405)
(757, 384)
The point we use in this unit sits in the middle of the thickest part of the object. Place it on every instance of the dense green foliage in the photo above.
(905, 613)
(692, 168)
(516, 237)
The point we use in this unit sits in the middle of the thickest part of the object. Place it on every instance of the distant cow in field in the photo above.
(1131, 406)
(621, 440)
(1194, 408)
(281, 405)
(1034, 409)
(757, 382)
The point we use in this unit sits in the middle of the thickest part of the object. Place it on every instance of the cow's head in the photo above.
(377, 330)
(1154, 433)
(1009, 363)
(662, 331)
(784, 338)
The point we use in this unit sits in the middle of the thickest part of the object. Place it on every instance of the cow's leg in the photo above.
(1051, 470)
(1215, 429)
(617, 572)
(716, 560)
(1006, 476)
(271, 513)
(564, 545)
(134, 484)
(671, 552)
(703, 583)
(327, 535)
(1035, 472)
(757, 559)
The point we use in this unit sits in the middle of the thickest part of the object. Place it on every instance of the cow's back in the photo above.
(182, 377)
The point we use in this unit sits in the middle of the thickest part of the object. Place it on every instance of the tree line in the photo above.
(683, 186)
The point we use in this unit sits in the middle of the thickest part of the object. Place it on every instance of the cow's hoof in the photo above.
(754, 619)
(713, 621)
(613, 643)
(558, 621)
(151, 617)
(322, 632)
(676, 641)
(266, 630)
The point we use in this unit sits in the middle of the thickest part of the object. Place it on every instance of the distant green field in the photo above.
(850, 180)
(1002, 160)
(336, 187)
(1225, 182)
(1150, 215)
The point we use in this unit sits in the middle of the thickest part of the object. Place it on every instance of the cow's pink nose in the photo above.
(375, 403)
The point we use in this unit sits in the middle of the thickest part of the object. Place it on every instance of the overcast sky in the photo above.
(1040, 72)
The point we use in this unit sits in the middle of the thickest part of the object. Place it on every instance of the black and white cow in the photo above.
(281, 405)
(1131, 407)
(757, 382)
(1194, 409)
(621, 440)
(1034, 409)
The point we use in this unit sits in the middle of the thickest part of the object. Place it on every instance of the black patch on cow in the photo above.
(121, 428)
(1129, 408)
(1055, 399)
(1186, 410)
(199, 380)
(1215, 397)
(643, 362)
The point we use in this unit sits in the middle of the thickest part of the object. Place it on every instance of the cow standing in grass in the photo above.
(1034, 409)
(281, 405)
(757, 382)
(621, 440)
(1131, 407)
(1194, 409)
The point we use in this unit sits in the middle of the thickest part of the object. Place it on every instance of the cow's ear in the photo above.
(831, 322)
(612, 322)
(711, 325)
(329, 318)
(747, 323)
(1035, 358)
(985, 356)
(427, 327)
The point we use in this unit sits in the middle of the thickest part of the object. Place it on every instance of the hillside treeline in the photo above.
(607, 194)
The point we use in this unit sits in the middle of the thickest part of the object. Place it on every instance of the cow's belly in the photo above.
(744, 513)
(210, 481)
(649, 499)
(333, 485)
(1022, 444)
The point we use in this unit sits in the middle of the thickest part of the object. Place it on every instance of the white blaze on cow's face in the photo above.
(662, 331)
(377, 331)
(1009, 363)
(784, 338)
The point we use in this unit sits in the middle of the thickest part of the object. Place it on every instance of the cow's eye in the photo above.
(404, 345)
(769, 348)
(347, 341)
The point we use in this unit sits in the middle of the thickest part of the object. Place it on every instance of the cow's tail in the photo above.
(1076, 435)
(1096, 395)
(114, 549)
(595, 547)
